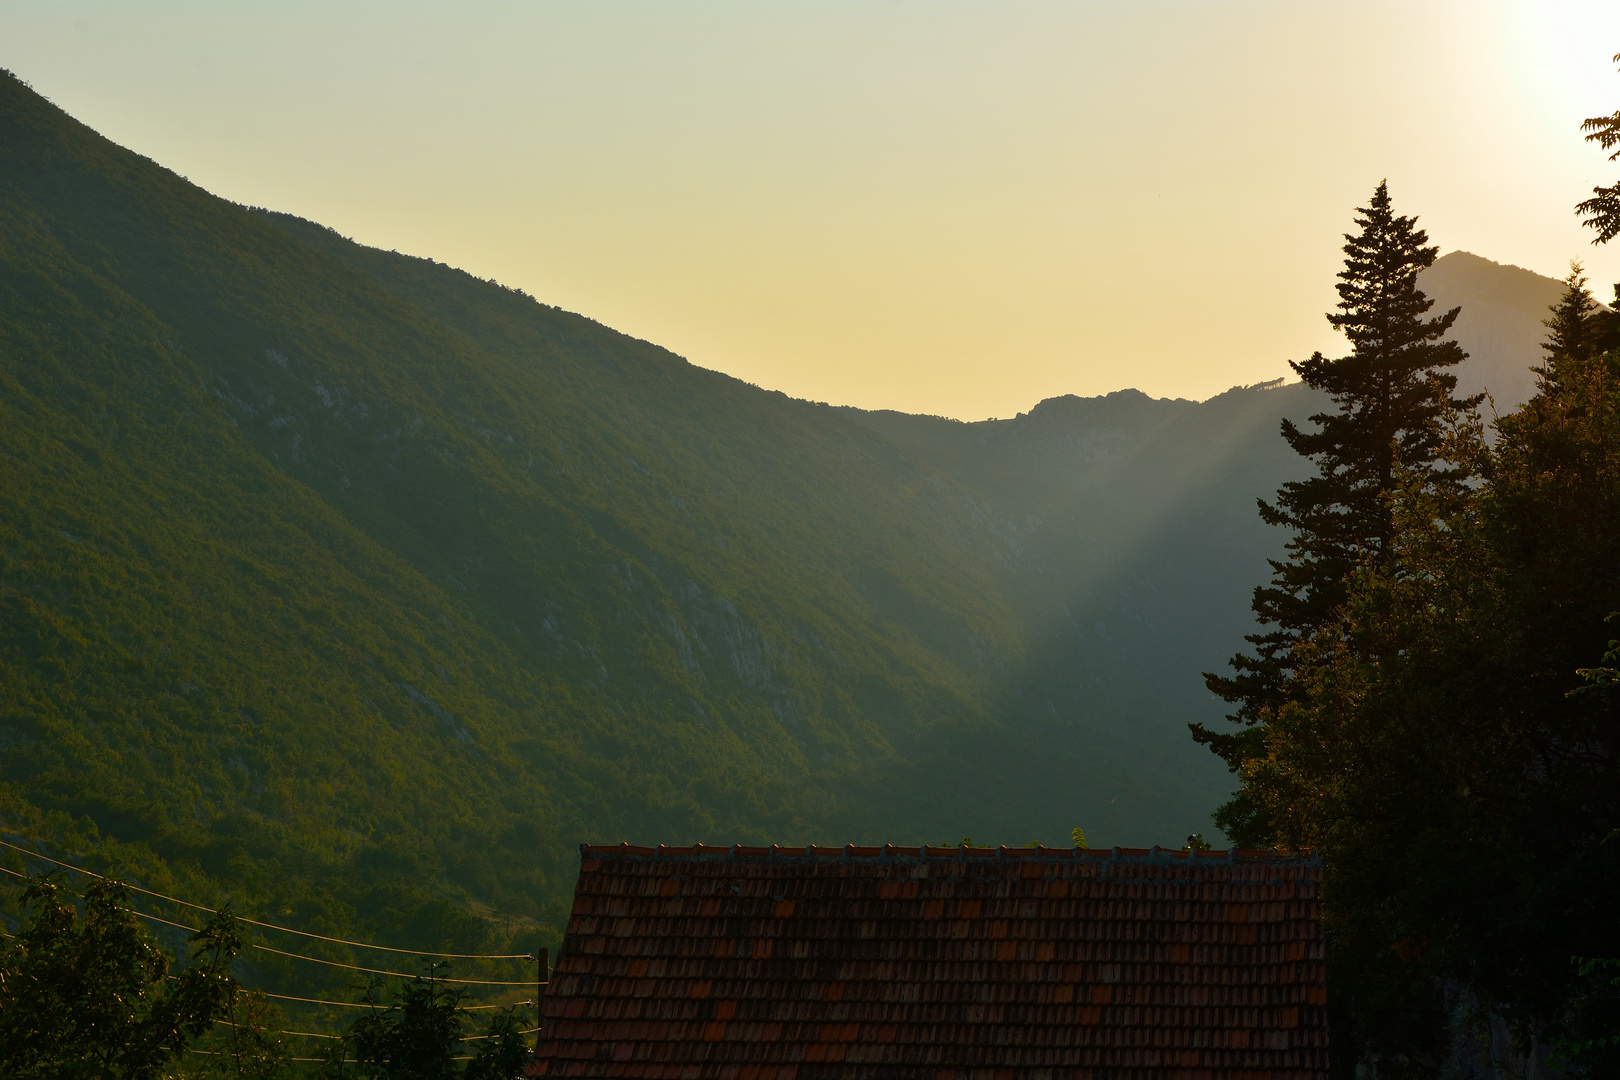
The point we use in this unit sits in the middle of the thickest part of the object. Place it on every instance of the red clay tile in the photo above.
(866, 962)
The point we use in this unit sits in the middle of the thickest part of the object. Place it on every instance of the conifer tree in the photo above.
(1579, 331)
(1571, 329)
(1437, 734)
(1392, 399)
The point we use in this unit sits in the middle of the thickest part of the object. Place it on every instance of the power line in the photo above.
(274, 1031)
(363, 1005)
(222, 1053)
(292, 955)
(354, 1004)
(269, 926)
(296, 956)
(349, 967)
(379, 971)
(166, 922)
(319, 1035)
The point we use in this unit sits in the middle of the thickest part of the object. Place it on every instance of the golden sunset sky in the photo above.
(946, 207)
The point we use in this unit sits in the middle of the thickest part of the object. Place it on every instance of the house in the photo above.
(754, 963)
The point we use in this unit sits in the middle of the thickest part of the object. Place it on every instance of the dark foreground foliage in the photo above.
(421, 1035)
(1436, 710)
(88, 993)
(1393, 406)
(1448, 741)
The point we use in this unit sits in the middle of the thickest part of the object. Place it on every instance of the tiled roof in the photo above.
(878, 962)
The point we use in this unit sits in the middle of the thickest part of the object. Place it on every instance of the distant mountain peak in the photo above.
(1462, 276)
(1500, 325)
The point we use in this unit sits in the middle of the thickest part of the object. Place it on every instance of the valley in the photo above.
(357, 589)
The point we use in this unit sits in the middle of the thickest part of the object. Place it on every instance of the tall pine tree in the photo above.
(1572, 328)
(1440, 753)
(1393, 399)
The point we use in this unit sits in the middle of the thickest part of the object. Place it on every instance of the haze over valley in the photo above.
(836, 541)
(341, 578)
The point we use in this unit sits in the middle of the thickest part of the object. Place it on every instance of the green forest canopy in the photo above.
(358, 590)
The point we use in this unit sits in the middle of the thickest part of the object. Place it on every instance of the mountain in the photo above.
(1137, 548)
(1139, 545)
(360, 590)
(1500, 324)
(325, 569)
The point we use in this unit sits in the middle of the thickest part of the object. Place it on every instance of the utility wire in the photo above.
(222, 1053)
(310, 1001)
(295, 956)
(357, 1004)
(166, 922)
(380, 971)
(334, 963)
(318, 1035)
(363, 1005)
(310, 1034)
(269, 926)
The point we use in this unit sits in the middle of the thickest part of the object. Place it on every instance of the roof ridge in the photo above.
(928, 851)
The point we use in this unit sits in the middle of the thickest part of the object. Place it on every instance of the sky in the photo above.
(948, 207)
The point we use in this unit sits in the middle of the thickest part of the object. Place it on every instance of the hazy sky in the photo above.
(947, 207)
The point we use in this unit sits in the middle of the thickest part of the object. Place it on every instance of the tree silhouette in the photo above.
(1393, 401)
(89, 994)
(1602, 210)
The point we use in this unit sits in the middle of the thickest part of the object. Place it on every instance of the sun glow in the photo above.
(949, 207)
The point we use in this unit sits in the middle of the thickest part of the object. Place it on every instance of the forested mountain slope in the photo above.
(303, 576)
(1138, 540)
(362, 589)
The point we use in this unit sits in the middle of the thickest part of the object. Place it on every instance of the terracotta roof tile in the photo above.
(746, 963)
